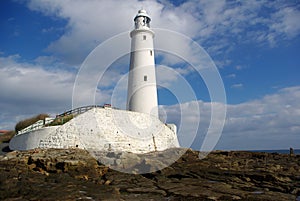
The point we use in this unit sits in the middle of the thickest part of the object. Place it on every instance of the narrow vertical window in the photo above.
(144, 37)
(145, 78)
(150, 52)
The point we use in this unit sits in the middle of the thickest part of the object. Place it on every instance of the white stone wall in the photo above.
(105, 129)
(30, 140)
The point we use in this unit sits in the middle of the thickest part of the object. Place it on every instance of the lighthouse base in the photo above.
(103, 129)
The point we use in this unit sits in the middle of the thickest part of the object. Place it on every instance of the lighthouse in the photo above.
(142, 90)
(108, 129)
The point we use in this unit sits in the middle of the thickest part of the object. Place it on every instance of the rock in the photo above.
(107, 182)
(73, 174)
(146, 190)
(110, 161)
(129, 160)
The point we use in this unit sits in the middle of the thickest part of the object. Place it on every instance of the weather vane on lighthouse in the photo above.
(142, 90)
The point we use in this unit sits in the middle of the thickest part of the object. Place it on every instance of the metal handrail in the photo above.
(78, 110)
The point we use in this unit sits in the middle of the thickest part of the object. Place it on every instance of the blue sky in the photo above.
(255, 46)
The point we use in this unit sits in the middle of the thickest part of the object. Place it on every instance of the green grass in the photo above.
(61, 120)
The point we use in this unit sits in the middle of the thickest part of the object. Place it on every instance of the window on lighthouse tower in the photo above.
(144, 37)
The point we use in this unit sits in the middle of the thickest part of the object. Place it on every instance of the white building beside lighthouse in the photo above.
(137, 129)
(142, 91)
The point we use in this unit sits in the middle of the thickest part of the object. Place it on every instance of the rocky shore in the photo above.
(75, 174)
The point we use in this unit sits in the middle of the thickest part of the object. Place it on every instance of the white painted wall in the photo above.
(103, 129)
(30, 140)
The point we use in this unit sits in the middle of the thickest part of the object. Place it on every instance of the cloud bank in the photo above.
(213, 24)
(271, 122)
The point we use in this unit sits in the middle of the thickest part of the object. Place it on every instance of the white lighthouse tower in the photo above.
(142, 91)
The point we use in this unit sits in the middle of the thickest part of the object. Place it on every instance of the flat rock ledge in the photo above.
(75, 174)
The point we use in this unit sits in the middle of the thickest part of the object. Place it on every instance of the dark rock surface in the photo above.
(74, 174)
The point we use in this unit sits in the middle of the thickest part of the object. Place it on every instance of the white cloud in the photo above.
(268, 123)
(31, 88)
(167, 76)
(231, 75)
(28, 89)
(237, 86)
(287, 22)
(239, 67)
(271, 121)
(214, 24)
(24, 82)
